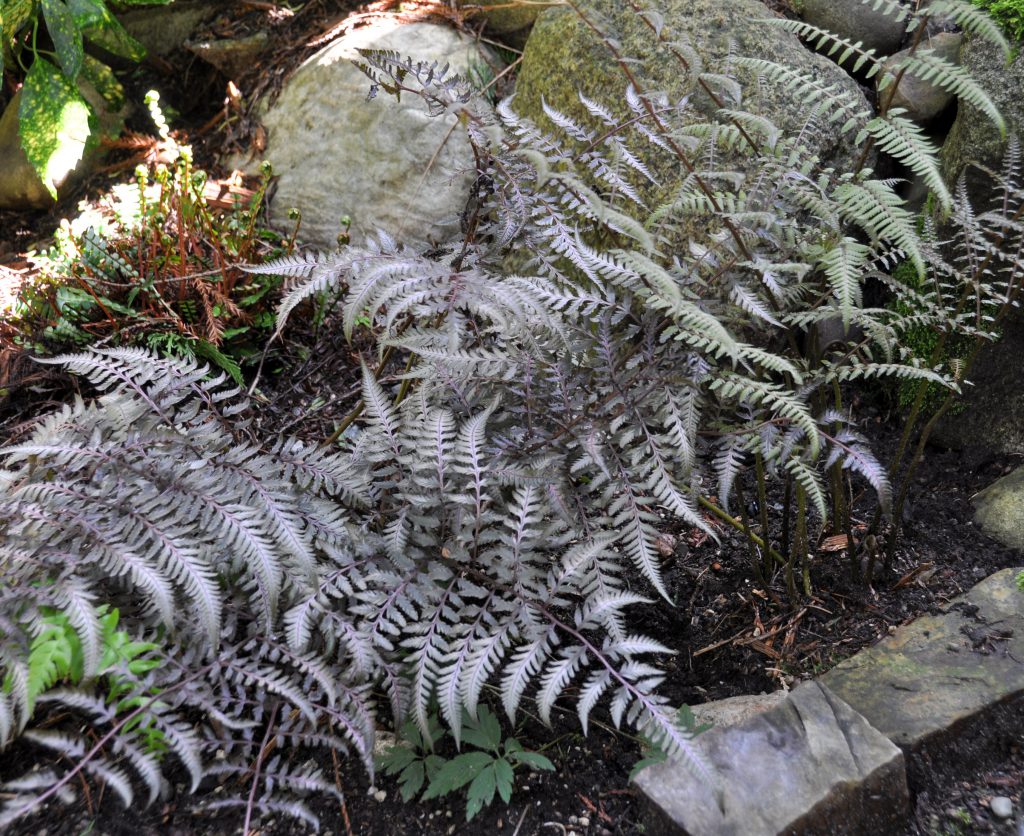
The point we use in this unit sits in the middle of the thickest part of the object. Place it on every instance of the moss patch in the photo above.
(1008, 13)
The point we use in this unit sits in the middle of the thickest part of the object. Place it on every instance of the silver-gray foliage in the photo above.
(578, 367)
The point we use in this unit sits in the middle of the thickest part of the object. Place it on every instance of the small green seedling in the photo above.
(413, 759)
(488, 770)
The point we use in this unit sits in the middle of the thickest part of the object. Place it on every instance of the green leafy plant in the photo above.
(56, 654)
(413, 758)
(155, 264)
(922, 342)
(487, 770)
(1008, 13)
(57, 123)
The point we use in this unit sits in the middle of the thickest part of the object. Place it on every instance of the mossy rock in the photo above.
(505, 17)
(1000, 510)
(563, 56)
(992, 415)
(973, 137)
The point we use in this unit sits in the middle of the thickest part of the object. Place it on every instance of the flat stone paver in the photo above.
(810, 765)
(940, 672)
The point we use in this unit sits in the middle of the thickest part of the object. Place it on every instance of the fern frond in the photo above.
(928, 66)
(879, 211)
(970, 19)
(829, 43)
(905, 141)
(837, 103)
(844, 266)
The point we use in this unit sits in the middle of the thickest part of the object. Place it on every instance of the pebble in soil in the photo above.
(1001, 807)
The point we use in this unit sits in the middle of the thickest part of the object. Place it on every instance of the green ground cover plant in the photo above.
(486, 769)
(154, 264)
(1007, 13)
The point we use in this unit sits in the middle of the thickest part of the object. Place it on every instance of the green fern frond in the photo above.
(970, 19)
(905, 141)
(928, 66)
(829, 43)
(879, 211)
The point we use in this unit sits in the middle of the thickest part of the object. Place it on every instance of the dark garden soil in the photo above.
(731, 635)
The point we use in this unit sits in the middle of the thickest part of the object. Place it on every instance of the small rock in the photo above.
(380, 795)
(232, 56)
(505, 18)
(666, 543)
(384, 741)
(1001, 807)
(162, 30)
(584, 821)
(922, 100)
(999, 509)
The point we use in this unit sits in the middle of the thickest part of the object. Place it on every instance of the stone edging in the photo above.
(835, 755)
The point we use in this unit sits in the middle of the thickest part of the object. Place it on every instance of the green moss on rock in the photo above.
(563, 55)
(1008, 13)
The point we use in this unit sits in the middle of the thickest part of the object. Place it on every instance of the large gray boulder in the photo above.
(973, 137)
(1000, 510)
(563, 56)
(385, 164)
(856, 20)
(810, 764)
(993, 419)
